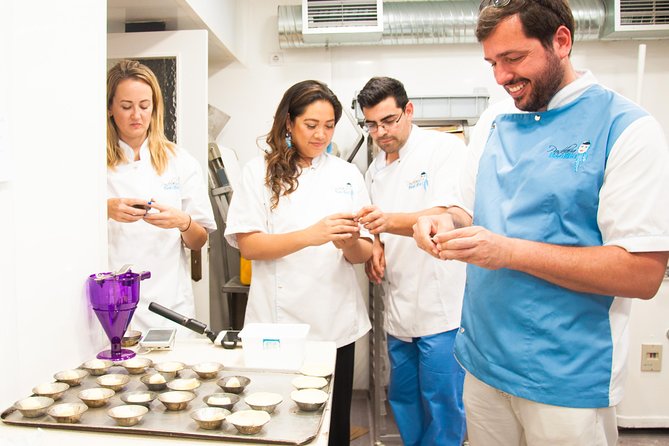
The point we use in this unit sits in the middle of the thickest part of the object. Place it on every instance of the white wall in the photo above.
(52, 217)
(221, 19)
(250, 92)
(645, 403)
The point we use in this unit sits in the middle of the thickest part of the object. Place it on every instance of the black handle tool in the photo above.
(227, 341)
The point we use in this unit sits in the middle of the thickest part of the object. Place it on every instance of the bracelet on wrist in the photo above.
(190, 220)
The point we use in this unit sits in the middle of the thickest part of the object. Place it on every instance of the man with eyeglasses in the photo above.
(566, 183)
(422, 295)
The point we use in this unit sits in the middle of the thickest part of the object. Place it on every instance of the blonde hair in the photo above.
(160, 147)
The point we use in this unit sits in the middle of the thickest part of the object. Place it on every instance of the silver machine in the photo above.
(228, 294)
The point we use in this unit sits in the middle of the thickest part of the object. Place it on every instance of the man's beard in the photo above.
(544, 87)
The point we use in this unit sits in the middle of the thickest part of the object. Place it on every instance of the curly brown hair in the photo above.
(282, 161)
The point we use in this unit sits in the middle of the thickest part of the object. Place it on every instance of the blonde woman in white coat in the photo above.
(157, 201)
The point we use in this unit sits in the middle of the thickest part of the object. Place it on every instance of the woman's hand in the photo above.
(346, 242)
(167, 217)
(343, 231)
(193, 235)
(373, 219)
(126, 210)
(338, 228)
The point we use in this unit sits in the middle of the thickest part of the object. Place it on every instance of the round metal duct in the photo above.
(430, 22)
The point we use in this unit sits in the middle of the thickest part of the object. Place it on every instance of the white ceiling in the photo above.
(177, 15)
(173, 12)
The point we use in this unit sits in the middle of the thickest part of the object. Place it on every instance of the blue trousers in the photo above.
(425, 391)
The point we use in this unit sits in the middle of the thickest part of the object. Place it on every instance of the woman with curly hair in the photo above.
(294, 218)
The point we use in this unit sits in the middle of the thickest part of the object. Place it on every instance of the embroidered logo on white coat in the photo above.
(172, 184)
(421, 182)
(346, 189)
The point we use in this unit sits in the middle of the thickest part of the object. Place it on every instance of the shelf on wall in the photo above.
(440, 110)
(234, 285)
(178, 15)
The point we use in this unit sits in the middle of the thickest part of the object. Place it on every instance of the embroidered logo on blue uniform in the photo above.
(572, 152)
(581, 155)
(172, 184)
(421, 181)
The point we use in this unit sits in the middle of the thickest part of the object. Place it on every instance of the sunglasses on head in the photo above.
(547, 4)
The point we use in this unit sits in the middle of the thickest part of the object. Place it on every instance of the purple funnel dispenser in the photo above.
(114, 299)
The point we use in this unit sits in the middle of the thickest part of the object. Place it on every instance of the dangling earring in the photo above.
(289, 141)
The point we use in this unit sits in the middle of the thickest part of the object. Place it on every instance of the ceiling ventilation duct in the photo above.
(341, 21)
(425, 22)
(627, 19)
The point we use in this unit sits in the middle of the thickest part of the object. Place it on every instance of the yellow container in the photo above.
(244, 271)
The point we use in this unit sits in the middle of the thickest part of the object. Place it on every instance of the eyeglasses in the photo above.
(387, 124)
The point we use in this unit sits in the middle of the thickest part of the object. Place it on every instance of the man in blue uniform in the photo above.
(561, 215)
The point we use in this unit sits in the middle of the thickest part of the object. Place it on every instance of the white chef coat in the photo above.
(150, 248)
(315, 285)
(422, 295)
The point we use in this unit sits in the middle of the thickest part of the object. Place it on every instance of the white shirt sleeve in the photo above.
(465, 190)
(449, 165)
(249, 205)
(369, 175)
(360, 198)
(194, 195)
(633, 206)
